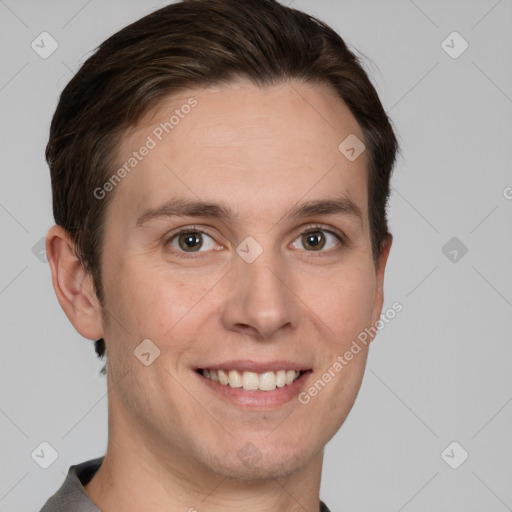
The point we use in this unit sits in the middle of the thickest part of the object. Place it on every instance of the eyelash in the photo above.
(186, 229)
(309, 229)
(317, 227)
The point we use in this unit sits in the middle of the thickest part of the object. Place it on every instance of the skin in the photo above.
(173, 442)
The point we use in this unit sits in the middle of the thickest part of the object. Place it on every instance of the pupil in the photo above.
(190, 241)
(315, 240)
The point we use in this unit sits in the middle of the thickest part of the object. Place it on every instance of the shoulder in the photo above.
(323, 507)
(71, 496)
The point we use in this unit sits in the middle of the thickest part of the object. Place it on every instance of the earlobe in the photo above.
(72, 285)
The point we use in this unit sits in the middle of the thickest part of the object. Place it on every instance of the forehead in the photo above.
(258, 148)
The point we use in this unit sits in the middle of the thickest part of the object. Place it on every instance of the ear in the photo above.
(73, 286)
(379, 275)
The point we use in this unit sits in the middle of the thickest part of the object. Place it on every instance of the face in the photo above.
(238, 242)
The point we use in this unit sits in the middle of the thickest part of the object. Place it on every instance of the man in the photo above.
(220, 174)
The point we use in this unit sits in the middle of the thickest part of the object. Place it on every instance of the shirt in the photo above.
(71, 497)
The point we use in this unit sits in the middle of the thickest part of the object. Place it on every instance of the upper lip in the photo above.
(256, 366)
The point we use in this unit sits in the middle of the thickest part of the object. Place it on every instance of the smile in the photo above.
(252, 381)
(255, 385)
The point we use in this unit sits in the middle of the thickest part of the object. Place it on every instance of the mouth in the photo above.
(252, 381)
(255, 387)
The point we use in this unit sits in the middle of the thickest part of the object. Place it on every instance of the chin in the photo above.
(252, 462)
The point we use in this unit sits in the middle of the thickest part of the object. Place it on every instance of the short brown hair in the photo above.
(196, 43)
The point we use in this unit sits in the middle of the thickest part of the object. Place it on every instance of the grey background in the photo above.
(439, 372)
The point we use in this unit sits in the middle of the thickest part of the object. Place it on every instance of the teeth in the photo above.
(290, 376)
(235, 380)
(268, 381)
(223, 377)
(251, 381)
(280, 378)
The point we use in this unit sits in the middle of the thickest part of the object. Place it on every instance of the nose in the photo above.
(259, 300)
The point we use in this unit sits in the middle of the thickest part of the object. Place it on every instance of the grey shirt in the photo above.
(71, 497)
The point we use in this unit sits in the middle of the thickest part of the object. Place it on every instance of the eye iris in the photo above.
(314, 239)
(189, 241)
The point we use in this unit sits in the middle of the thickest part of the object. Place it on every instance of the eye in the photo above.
(317, 240)
(189, 240)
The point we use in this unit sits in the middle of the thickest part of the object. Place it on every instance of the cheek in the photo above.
(155, 302)
(344, 301)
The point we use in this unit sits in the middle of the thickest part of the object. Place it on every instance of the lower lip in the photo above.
(258, 399)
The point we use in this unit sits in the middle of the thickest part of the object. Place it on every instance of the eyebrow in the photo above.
(186, 208)
(342, 205)
(196, 208)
